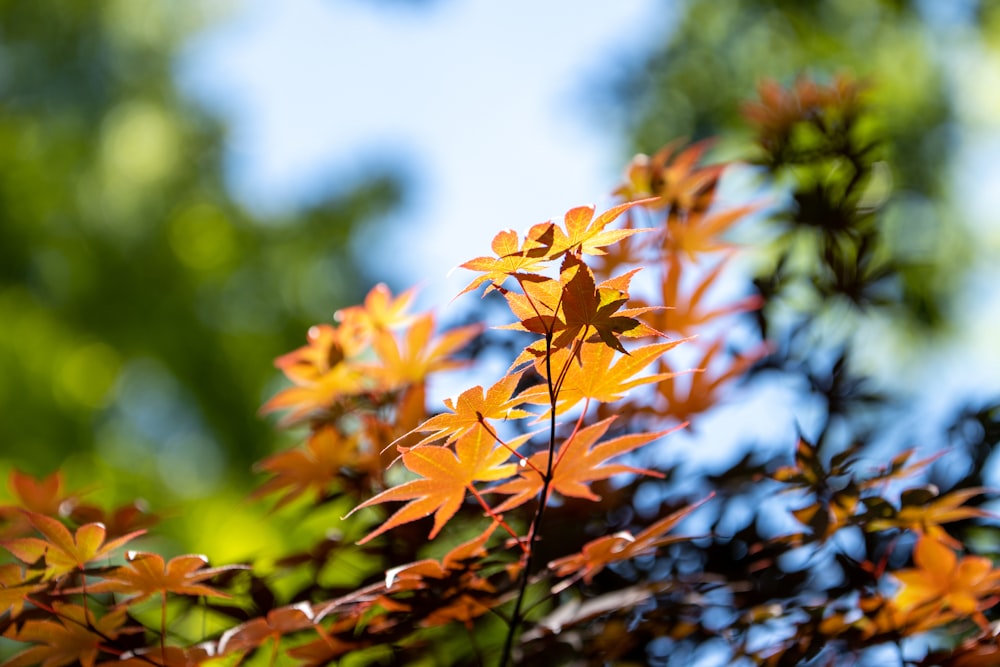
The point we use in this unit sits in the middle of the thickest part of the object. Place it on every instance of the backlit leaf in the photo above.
(445, 479)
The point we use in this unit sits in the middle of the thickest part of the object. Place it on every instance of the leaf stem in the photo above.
(543, 495)
(522, 459)
(496, 517)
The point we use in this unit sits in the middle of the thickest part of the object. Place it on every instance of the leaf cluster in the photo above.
(535, 514)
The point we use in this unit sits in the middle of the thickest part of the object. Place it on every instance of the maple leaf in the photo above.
(537, 309)
(64, 551)
(313, 467)
(128, 518)
(704, 388)
(464, 608)
(325, 650)
(923, 515)
(472, 408)
(418, 356)
(574, 306)
(511, 259)
(14, 590)
(598, 554)
(586, 234)
(698, 234)
(943, 582)
(598, 376)
(589, 307)
(42, 496)
(578, 463)
(686, 313)
(320, 376)
(412, 574)
(582, 233)
(310, 362)
(673, 179)
(780, 109)
(379, 312)
(278, 623)
(446, 477)
(166, 656)
(73, 637)
(145, 574)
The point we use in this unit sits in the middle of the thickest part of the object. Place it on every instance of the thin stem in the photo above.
(576, 429)
(496, 517)
(163, 624)
(577, 345)
(522, 459)
(543, 495)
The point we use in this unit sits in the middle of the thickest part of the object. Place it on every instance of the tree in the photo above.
(535, 513)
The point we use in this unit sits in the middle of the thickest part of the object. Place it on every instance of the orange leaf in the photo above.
(578, 463)
(64, 551)
(943, 582)
(472, 408)
(586, 234)
(704, 387)
(686, 312)
(415, 357)
(43, 496)
(599, 553)
(446, 477)
(598, 377)
(314, 467)
(380, 310)
(146, 574)
(927, 517)
(278, 623)
(511, 259)
(73, 637)
(13, 589)
(698, 233)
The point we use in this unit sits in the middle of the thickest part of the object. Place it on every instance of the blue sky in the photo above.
(482, 102)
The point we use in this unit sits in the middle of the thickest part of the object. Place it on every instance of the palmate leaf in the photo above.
(581, 233)
(379, 312)
(699, 233)
(73, 637)
(146, 575)
(472, 408)
(673, 178)
(598, 554)
(417, 354)
(575, 306)
(42, 496)
(598, 376)
(687, 312)
(511, 258)
(578, 463)
(923, 510)
(704, 388)
(587, 307)
(64, 551)
(166, 656)
(320, 376)
(278, 623)
(586, 234)
(459, 559)
(314, 467)
(445, 479)
(950, 586)
(14, 590)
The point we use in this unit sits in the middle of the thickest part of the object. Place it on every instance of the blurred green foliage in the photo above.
(927, 65)
(141, 307)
